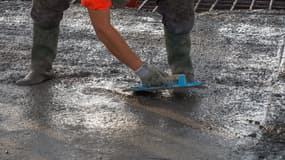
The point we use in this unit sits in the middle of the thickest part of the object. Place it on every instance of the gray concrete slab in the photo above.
(82, 113)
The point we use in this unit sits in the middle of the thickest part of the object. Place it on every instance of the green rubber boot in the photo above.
(178, 48)
(44, 50)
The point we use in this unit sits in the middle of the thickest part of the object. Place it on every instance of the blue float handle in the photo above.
(181, 80)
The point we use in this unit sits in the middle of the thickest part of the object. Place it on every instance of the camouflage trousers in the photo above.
(178, 15)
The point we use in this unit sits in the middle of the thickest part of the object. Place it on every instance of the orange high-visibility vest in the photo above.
(103, 4)
(97, 4)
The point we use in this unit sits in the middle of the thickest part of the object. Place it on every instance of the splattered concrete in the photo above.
(81, 114)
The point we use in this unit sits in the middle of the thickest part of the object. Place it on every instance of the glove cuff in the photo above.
(143, 71)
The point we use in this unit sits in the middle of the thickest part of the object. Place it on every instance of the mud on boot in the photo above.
(183, 92)
(45, 39)
(178, 51)
(33, 78)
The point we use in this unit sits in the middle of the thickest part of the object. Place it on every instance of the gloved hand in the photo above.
(152, 76)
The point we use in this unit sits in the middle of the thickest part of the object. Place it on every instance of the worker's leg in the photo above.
(125, 3)
(46, 15)
(120, 3)
(178, 20)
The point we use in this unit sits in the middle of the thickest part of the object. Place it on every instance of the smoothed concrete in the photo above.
(82, 113)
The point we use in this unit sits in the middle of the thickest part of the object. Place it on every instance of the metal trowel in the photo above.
(181, 83)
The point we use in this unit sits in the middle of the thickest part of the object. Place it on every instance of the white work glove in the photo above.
(152, 76)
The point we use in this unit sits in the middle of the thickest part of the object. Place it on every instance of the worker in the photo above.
(178, 20)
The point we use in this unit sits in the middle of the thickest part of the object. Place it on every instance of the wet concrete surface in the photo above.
(82, 114)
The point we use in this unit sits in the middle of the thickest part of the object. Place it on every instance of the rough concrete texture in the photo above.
(82, 114)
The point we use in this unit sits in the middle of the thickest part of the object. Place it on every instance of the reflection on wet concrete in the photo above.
(83, 113)
(39, 104)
